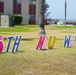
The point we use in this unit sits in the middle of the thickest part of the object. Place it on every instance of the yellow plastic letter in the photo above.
(51, 42)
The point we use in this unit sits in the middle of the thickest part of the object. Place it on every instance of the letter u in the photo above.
(51, 42)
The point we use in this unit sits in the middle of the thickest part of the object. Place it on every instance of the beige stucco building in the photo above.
(29, 9)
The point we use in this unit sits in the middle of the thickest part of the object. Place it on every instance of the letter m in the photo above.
(41, 42)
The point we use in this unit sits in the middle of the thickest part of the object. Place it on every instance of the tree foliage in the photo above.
(46, 7)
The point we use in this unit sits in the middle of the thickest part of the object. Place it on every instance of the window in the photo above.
(32, 2)
(32, 17)
(14, 1)
(16, 6)
(1, 6)
(17, 1)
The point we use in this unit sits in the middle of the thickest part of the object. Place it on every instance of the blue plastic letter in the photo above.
(67, 41)
(9, 41)
(16, 43)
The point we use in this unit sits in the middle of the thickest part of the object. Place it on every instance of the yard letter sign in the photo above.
(1, 44)
(10, 38)
(42, 42)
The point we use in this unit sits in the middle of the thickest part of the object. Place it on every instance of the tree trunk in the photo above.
(41, 23)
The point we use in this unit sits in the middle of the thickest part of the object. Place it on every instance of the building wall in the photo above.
(37, 11)
(25, 11)
(8, 7)
(23, 8)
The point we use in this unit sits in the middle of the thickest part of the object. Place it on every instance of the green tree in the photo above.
(43, 9)
(46, 7)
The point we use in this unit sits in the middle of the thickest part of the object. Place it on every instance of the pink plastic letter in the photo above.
(71, 40)
(41, 42)
(1, 44)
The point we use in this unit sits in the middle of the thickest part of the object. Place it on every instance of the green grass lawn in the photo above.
(19, 28)
(29, 61)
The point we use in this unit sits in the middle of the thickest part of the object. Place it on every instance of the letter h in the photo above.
(16, 43)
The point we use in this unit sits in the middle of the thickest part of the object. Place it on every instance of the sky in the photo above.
(56, 7)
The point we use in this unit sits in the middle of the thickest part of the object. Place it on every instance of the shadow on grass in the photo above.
(17, 52)
(23, 39)
(47, 49)
(3, 52)
(27, 39)
(13, 52)
(42, 49)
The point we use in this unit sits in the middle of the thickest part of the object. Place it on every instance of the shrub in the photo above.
(1, 13)
(17, 19)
